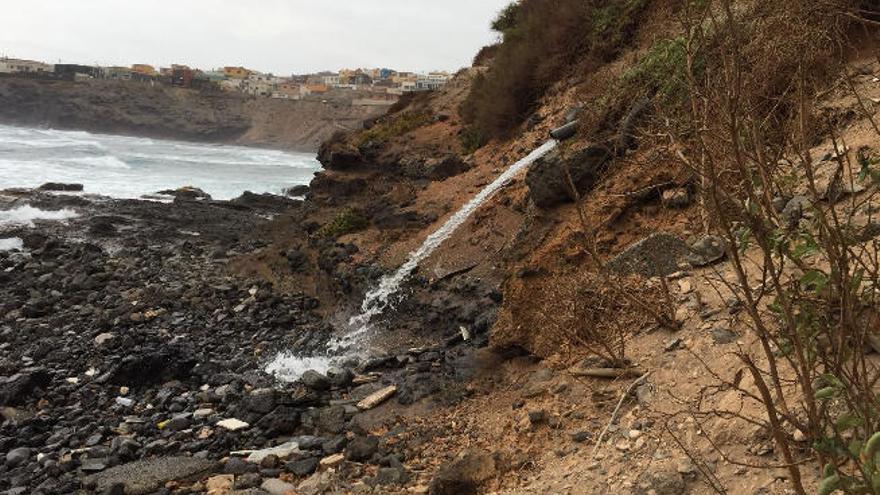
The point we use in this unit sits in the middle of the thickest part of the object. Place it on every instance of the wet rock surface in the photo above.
(133, 363)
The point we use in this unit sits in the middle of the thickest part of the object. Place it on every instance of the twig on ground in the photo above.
(611, 421)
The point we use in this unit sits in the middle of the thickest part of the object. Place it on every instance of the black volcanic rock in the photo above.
(60, 186)
(16, 388)
(547, 177)
(151, 367)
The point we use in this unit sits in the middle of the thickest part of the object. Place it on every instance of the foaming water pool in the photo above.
(24, 216)
(11, 244)
(289, 367)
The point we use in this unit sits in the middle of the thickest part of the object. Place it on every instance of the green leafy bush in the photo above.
(394, 126)
(347, 221)
(471, 139)
(663, 71)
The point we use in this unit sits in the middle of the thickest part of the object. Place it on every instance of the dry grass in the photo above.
(576, 313)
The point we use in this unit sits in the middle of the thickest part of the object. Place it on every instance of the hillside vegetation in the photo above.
(544, 41)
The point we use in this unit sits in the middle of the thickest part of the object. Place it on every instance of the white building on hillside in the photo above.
(431, 81)
(18, 66)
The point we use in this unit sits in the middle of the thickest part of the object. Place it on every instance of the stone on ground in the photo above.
(274, 486)
(147, 476)
(657, 255)
(464, 475)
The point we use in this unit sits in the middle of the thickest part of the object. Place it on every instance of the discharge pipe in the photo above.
(565, 132)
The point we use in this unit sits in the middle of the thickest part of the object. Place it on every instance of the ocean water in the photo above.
(129, 167)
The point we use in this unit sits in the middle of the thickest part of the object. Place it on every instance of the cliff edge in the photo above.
(138, 109)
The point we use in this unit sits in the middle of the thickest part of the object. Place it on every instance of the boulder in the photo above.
(361, 449)
(340, 377)
(444, 167)
(17, 457)
(186, 193)
(626, 134)
(660, 481)
(335, 154)
(464, 475)
(296, 191)
(61, 187)
(17, 388)
(264, 201)
(151, 367)
(331, 419)
(261, 400)
(567, 131)
(147, 476)
(391, 476)
(315, 380)
(337, 185)
(674, 198)
(708, 250)
(795, 209)
(302, 467)
(657, 255)
(547, 180)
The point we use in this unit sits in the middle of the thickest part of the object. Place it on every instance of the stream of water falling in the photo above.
(288, 366)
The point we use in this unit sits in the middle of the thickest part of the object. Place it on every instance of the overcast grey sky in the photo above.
(279, 36)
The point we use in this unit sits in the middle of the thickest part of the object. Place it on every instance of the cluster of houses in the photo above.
(376, 84)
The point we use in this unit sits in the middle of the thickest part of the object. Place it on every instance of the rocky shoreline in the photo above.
(125, 341)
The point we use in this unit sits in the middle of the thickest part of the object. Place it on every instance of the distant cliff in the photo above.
(157, 111)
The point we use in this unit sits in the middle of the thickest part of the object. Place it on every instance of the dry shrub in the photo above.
(542, 41)
(803, 284)
(573, 313)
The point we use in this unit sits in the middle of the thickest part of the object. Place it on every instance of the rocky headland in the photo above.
(156, 111)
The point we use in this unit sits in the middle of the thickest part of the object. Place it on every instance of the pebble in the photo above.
(232, 424)
(332, 460)
(16, 457)
(220, 484)
(684, 285)
(203, 413)
(275, 486)
(303, 467)
(537, 416)
(581, 436)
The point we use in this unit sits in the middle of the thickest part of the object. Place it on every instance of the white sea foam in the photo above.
(27, 214)
(98, 162)
(11, 243)
(128, 167)
(289, 367)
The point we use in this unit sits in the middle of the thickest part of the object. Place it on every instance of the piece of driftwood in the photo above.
(640, 380)
(377, 398)
(608, 372)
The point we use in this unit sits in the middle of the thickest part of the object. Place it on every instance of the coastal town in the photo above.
(377, 86)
